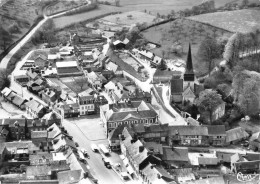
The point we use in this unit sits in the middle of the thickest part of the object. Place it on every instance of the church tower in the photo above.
(189, 76)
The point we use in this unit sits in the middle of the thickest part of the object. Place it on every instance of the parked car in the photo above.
(85, 153)
(94, 147)
(125, 176)
(106, 163)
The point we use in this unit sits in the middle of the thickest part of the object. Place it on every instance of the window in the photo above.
(135, 121)
(146, 121)
(151, 121)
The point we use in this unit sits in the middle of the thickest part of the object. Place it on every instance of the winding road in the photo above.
(6, 59)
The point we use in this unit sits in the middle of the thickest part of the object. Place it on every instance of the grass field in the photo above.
(163, 6)
(183, 31)
(243, 21)
(137, 17)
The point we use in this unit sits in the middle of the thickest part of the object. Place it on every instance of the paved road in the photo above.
(86, 132)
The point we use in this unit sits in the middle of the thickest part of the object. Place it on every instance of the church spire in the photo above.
(189, 74)
(189, 67)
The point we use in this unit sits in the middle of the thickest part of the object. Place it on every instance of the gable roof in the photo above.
(188, 130)
(188, 92)
(175, 154)
(34, 105)
(217, 130)
(236, 134)
(255, 137)
(114, 134)
(6, 91)
(176, 86)
(39, 134)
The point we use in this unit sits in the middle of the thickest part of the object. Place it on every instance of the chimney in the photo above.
(137, 110)
(141, 149)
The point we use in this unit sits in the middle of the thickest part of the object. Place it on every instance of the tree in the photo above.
(231, 53)
(88, 30)
(245, 3)
(208, 51)
(4, 79)
(208, 101)
(81, 82)
(96, 25)
(5, 39)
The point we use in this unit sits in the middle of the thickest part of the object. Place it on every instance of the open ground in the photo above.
(243, 21)
(182, 31)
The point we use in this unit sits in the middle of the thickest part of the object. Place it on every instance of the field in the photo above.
(243, 21)
(163, 6)
(64, 21)
(136, 17)
(182, 31)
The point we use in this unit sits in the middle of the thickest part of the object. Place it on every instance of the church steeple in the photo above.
(189, 74)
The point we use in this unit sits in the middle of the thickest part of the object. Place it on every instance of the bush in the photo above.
(82, 9)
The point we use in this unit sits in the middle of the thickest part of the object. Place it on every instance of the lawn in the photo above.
(243, 21)
(76, 84)
(183, 31)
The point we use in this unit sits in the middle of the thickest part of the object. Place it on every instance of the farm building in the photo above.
(69, 67)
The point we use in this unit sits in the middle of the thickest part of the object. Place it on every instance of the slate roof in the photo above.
(247, 165)
(112, 66)
(236, 134)
(225, 157)
(35, 158)
(177, 154)
(34, 105)
(68, 177)
(12, 121)
(165, 75)
(114, 134)
(39, 134)
(252, 156)
(188, 130)
(217, 130)
(156, 128)
(122, 111)
(156, 148)
(208, 160)
(18, 100)
(176, 86)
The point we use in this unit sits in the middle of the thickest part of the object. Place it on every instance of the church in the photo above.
(185, 88)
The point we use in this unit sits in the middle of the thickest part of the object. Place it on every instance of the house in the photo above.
(69, 110)
(156, 61)
(131, 112)
(118, 45)
(156, 175)
(52, 117)
(235, 135)
(217, 135)
(246, 167)
(225, 157)
(36, 125)
(165, 76)
(48, 95)
(96, 80)
(39, 138)
(203, 159)
(41, 61)
(86, 104)
(254, 141)
(19, 102)
(176, 157)
(38, 172)
(5, 92)
(35, 109)
(146, 55)
(43, 158)
(176, 90)
(115, 68)
(188, 135)
(53, 57)
(16, 128)
(32, 73)
(68, 68)
(113, 137)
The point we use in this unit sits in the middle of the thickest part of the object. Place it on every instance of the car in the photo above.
(85, 153)
(94, 148)
(107, 163)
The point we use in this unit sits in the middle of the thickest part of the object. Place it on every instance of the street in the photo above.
(86, 132)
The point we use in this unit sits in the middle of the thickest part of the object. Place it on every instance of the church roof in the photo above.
(189, 66)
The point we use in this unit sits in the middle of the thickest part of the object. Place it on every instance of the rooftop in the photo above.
(66, 64)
